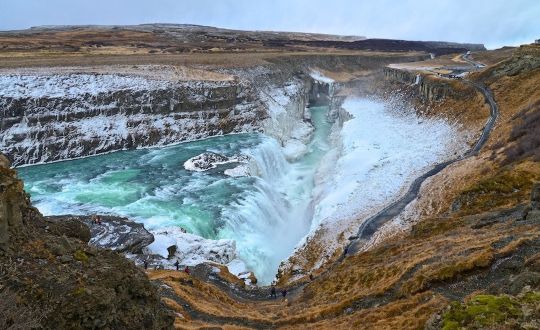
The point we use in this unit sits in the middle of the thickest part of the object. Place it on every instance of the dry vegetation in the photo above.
(458, 247)
(454, 249)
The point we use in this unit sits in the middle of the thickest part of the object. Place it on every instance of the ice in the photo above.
(294, 149)
(192, 249)
(320, 77)
(236, 267)
(238, 171)
(376, 156)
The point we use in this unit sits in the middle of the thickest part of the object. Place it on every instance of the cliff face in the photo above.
(51, 278)
(65, 115)
(41, 125)
(13, 201)
(428, 87)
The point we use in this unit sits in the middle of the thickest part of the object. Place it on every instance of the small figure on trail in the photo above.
(273, 292)
(311, 277)
(98, 220)
(94, 219)
(177, 264)
(284, 293)
(186, 270)
(145, 264)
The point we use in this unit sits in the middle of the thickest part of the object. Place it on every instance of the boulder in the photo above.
(70, 227)
(114, 233)
(171, 250)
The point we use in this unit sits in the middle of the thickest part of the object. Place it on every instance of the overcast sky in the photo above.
(492, 22)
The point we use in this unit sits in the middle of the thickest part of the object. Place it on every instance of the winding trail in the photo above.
(372, 224)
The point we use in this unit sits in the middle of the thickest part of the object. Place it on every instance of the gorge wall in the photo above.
(49, 117)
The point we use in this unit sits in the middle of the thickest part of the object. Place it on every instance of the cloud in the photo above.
(493, 22)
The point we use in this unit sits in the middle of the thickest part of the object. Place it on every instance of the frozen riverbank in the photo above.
(375, 157)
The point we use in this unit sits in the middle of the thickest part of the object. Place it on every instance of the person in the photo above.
(94, 219)
(186, 270)
(146, 264)
(177, 264)
(284, 293)
(273, 292)
(311, 277)
(98, 220)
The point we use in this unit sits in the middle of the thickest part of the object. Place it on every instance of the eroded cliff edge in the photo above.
(53, 114)
(51, 278)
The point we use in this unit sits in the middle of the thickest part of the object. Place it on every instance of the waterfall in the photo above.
(268, 161)
(269, 220)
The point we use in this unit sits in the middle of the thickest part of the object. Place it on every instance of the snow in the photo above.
(236, 267)
(238, 171)
(378, 153)
(72, 85)
(210, 160)
(320, 77)
(205, 161)
(192, 249)
(278, 98)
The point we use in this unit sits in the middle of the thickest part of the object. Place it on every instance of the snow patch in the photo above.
(320, 77)
(238, 171)
(192, 249)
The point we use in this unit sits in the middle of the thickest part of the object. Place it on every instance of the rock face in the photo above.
(47, 118)
(428, 87)
(50, 278)
(58, 116)
(13, 203)
(114, 233)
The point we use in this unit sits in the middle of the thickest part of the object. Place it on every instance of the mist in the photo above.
(494, 23)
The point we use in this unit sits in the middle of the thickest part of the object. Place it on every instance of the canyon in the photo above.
(272, 156)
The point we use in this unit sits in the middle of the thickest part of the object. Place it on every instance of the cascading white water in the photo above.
(266, 214)
(269, 221)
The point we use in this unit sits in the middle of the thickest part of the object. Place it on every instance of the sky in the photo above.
(494, 23)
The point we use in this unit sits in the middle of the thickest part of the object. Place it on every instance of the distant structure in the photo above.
(537, 41)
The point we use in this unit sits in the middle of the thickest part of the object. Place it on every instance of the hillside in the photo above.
(464, 253)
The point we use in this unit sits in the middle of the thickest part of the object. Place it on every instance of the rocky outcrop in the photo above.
(209, 160)
(114, 233)
(50, 278)
(403, 76)
(428, 87)
(13, 203)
